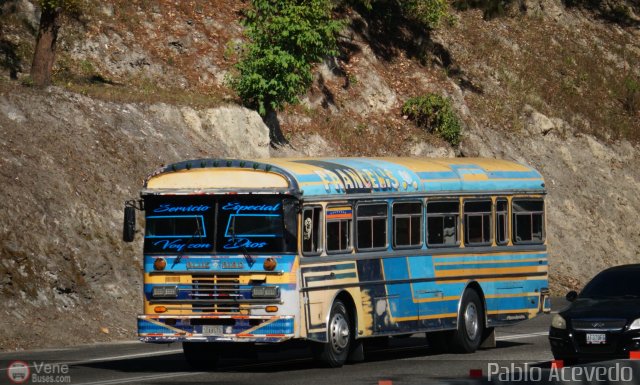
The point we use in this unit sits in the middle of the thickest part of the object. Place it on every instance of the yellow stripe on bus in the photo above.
(506, 270)
(486, 261)
(430, 316)
(464, 280)
(512, 295)
(436, 299)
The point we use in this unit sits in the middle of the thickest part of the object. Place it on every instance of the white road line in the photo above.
(111, 358)
(521, 336)
(125, 356)
(142, 378)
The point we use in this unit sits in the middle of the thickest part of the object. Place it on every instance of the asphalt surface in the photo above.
(401, 361)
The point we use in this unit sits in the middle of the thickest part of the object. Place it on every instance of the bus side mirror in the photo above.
(129, 226)
(572, 296)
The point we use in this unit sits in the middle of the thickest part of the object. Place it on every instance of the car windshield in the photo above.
(613, 284)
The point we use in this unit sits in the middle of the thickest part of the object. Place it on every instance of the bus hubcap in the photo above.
(339, 332)
(471, 320)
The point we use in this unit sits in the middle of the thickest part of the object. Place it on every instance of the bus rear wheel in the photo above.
(335, 352)
(468, 336)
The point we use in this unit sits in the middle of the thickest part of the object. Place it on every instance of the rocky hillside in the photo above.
(140, 84)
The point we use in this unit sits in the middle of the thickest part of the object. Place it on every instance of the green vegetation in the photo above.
(434, 113)
(631, 96)
(286, 38)
(428, 12)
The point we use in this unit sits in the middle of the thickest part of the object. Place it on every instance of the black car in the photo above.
(603, 321)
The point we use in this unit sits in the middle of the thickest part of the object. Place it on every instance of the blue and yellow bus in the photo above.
(337, 250)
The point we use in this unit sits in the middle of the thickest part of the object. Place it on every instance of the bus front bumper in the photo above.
(211, 328)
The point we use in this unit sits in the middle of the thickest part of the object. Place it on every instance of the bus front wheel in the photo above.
(335, 352)
(468, 336)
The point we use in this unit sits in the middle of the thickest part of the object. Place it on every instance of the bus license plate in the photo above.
(596, 339)
(212, 329)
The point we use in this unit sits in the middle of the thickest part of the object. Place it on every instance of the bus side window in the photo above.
(501, 221)
(442, 223)
(339, 220)
(311, 230)
(407, 224)
(477, 223)
(371, 226)
(528, 220)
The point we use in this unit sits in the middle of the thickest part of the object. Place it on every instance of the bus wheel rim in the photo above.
(471, 320)
(339, 332)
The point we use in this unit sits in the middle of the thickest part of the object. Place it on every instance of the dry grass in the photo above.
(561, 71)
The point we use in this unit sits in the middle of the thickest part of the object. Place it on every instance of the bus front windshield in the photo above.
(207, 224)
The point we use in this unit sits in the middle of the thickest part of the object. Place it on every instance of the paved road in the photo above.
(404, 361)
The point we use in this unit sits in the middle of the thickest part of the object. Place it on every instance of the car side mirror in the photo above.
(129, 226)
(572, 296)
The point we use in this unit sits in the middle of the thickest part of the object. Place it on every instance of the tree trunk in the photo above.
(44, 54)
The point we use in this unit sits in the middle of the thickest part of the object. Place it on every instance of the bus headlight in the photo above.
(165, 292)
(635, 324)
(265, 292)
(558, 322)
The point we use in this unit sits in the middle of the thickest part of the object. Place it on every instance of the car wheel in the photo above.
(334, 353)
(468, 336)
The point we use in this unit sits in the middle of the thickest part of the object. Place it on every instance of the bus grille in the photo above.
(599, 324)
(215, 288)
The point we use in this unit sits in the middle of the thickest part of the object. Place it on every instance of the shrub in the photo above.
(434, 113)
(427, 12)
(286, 38)
(631, 95)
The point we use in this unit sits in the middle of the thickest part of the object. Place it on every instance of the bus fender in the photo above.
(474, 285)
(350, 303)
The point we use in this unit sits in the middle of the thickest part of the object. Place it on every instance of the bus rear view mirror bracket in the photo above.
(129, 225)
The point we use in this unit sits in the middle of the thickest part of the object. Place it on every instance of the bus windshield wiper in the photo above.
(198, 232)
(245, 253)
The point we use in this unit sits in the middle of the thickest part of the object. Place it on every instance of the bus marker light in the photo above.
(634, 355)
(385, 382)
(269, 264)
(557, 364)
(160, 309)
(271, 309)
(475, 373)
(159, 264)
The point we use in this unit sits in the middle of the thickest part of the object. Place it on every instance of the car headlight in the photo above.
(558, 322)
(165, 292)
(635, 325)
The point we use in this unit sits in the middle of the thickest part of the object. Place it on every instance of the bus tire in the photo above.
(201, 355)
(335, 352)
(468, 336)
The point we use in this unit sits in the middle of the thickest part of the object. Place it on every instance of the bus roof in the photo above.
(341, 176)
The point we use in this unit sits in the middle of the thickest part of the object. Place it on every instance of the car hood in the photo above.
(603, 308)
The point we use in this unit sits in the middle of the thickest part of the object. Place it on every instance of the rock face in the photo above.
(592, 202)
(68, 164)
